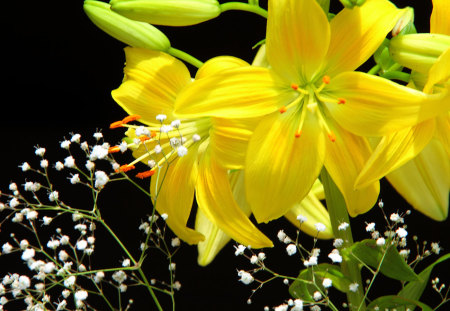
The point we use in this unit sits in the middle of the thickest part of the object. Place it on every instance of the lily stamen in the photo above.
(131, 118)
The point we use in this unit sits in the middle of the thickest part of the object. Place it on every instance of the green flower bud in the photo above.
(405, 24)
(168, 12)
(133, 33)
(418, 51)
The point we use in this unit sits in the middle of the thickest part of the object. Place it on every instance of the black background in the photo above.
(58, 70)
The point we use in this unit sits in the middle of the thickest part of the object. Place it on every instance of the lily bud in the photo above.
(405, 24)
(418, 51)
(133, 33)
(168, 12)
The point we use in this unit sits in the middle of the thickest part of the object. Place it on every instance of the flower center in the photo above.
(311, 99)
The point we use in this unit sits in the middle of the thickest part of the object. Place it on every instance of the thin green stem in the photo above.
(397, 75)
(374, 70)
(184, 56)
(239, 6)
(141, 273)
(338, 214)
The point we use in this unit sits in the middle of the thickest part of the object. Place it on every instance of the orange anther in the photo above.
(298, 134)
(332, 137)
(326, 79)
(283, 109)
(131, 118)
(341, 101)
(144, 138)
(114, 149)
(125, 168)
(145, 174)
(294, 86)
(116, 124)
(153, 134)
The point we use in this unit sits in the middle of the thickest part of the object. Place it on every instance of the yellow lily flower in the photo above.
(151, 84)
(416, 159)
(309, 93)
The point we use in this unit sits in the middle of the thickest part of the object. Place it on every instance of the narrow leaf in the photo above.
(396, 302)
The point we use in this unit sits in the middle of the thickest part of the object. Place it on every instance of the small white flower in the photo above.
(75, 179)
(7, 248)
(53, 196)
(32, 215)
(335, 256)
(175, 242)
(13, 186)
(65, 293)
(172, 266)
(381, 241)
(282, 307)
(158, 149)
(81, 245)
(301, 218)
(261, 256)
(126, 263)
(81, 295)
(435, 248)
(65, 144)
(24, 282)
(281, 235)
(63, 256)
(69, 162)
(246, 277)
(14, 202)
(75, 138)
(165, 128)
(142, 131)
(99, 152)
(64, 240)
(119, 276)
(239, 249)
(196, 138)
(53, 244)
(182, 151)
(177, 285)
(175, 123)
(24, 244)
(44, 163)
(123, 146)
(98, 135)
(59, 166)
(62, 305)
(401, 232)
(28, 254)
(91, 240)
(327, 283)
(90, 165)
(404, 253)
(40, 152)
(320, 227)
(317, 296)
(25, 166)
(100, 179)
(291, 249)
(343, 226)
(164, 216)
(396, 218)
(161, 117)
(49, 267)
(99, 277)
(370, 227)
(338, 243)
(39, 287)
(70, 281)
(151, 163)
(254, 260)
(18, 217)
(84, 146)
(353, 287)
(298, 305)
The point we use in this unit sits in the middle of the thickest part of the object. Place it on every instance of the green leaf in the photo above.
(397, 303)
(304, 287)
(393, 265)
(414, 290)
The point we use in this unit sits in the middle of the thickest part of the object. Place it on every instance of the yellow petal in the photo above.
(255, 91)
(280, 168)
(443, 131)
(395, 150)
(215, 199)
(315, 212)
(298, 35)
(218, 64)
(344, 159)
(260, 59)
(425, 181)
(151, 83)
(439, 17)
(358, 32)
(439, 72)
(216, 239)
(174, 191)
(376, 106)
(229, 141)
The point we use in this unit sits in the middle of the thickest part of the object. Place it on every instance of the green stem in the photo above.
(338, 214)
(239, 6)
(184, 56)
(374, 70)
(397, 75)
(141, 273)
